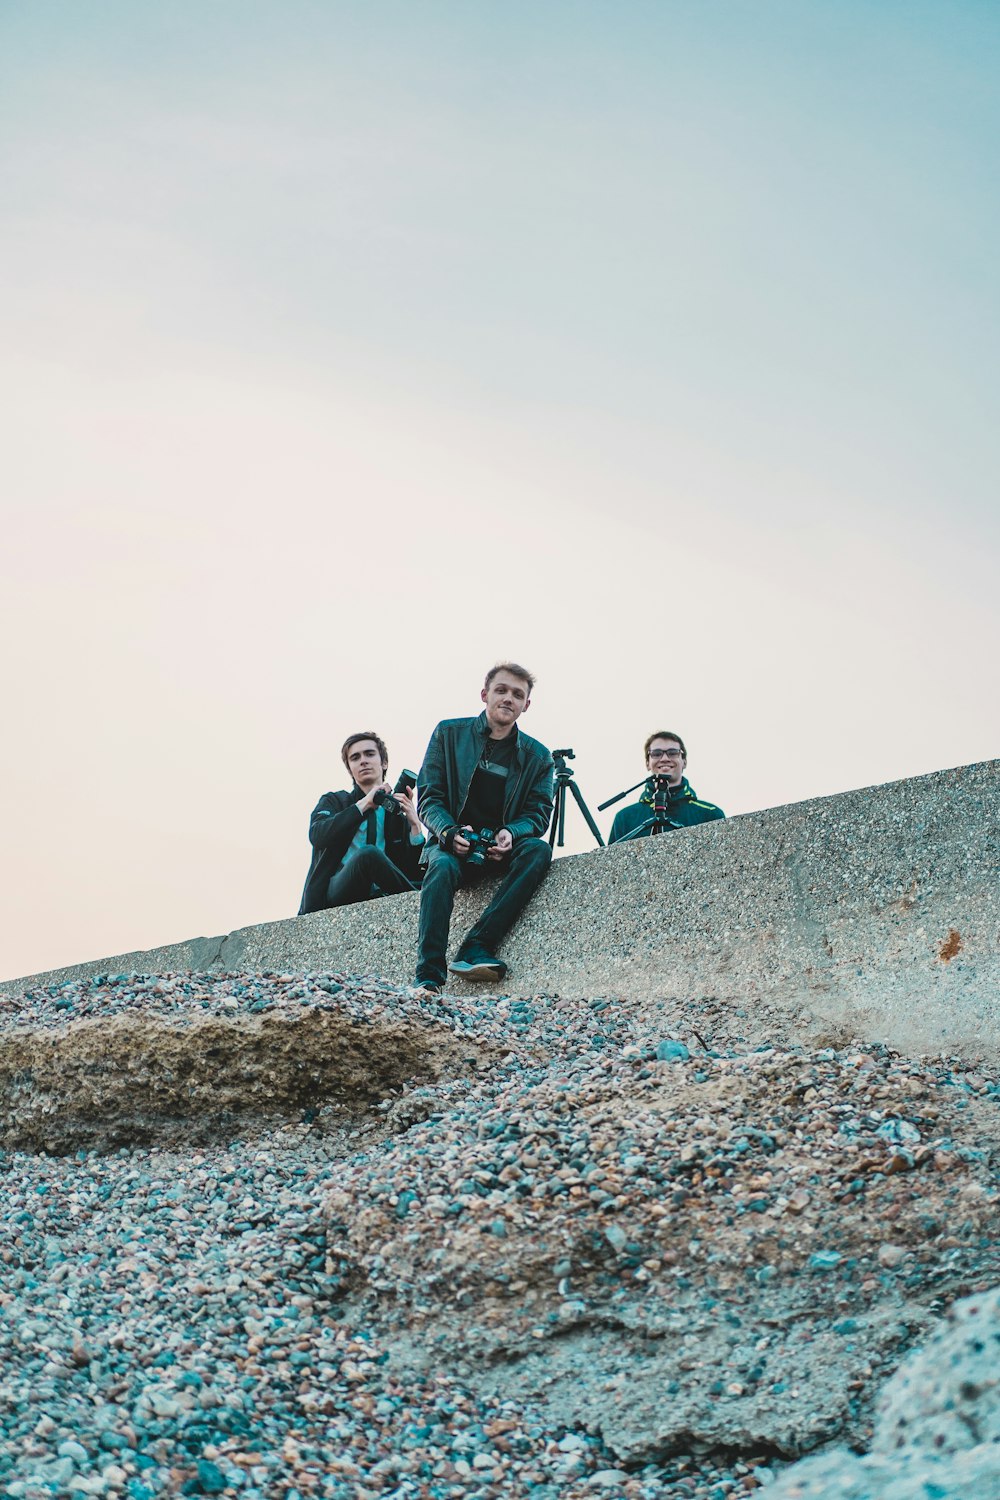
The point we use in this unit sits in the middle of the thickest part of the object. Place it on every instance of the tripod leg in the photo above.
(586, 813)
(555, 827)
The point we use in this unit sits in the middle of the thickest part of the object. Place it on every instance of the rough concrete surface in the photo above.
(875, 912)
(937, 1432)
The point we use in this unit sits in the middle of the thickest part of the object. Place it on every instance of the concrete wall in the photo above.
(874, 914)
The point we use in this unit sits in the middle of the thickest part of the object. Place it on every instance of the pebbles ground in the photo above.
(172, 1321)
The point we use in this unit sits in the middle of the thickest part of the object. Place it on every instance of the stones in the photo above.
(531, 1266)
(670, 1051)
(824, 1260)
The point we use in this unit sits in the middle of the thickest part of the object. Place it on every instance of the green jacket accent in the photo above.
(683, 811)
(450, 764)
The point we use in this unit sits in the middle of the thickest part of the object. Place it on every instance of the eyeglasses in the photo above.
(665, 754)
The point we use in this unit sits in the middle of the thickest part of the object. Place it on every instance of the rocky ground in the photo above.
(276, 1235)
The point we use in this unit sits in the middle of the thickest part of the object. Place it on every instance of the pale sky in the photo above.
(349, 348)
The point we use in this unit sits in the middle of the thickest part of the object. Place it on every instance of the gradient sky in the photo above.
(347, 348)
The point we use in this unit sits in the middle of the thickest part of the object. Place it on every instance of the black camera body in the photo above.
(479, 842)
(405, 782)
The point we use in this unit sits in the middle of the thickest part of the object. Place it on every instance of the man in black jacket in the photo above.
(362, 847)
(480, 774)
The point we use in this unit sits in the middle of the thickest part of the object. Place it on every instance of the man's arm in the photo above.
(432, 790)
(404, 837)
(618, 829)
(536, 810)
(709, 811)
(332, 821)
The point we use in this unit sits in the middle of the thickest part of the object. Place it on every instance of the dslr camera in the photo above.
(405, 782)
(479, 842)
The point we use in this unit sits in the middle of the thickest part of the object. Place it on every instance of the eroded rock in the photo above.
(677, 1255)
(937, 1431)
(159, 1073)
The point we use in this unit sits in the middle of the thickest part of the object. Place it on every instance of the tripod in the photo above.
(659, 821)
(564, 779)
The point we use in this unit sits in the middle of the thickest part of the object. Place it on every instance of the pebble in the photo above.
(169, 1324)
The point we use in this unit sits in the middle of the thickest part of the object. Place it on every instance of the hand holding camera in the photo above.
(398, 800)
(477, 846)
(480, 842)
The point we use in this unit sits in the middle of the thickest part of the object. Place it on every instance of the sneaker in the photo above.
(426, 987)
(484, 967)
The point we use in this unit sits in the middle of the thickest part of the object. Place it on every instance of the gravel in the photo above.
(183, 1321)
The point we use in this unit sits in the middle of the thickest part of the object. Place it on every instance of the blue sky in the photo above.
(347, 348)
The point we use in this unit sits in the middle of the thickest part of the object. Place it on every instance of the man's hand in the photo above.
(459, 845)
(368, 802)
(405, 800)
(501, 845)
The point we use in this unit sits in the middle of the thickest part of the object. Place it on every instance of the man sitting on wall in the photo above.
(366, 842)
(485, 795)
(667, 800)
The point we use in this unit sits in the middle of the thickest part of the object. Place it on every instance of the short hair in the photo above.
(663, 734)
(514, 670)
(366, 734)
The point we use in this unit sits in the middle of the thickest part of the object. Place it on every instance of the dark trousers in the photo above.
(361, 871)
(520, 877)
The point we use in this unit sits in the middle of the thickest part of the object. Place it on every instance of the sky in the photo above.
(348, 348)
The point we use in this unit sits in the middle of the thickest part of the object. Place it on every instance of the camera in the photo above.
(479, 842)
(405, 782)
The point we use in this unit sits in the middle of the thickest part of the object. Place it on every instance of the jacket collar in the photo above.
(482, 726)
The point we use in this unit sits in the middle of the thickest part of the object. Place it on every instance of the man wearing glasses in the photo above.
(667, 800)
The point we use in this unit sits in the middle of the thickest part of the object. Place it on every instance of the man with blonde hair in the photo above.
(484, 793)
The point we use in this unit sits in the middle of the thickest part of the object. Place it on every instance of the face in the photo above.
(506, 699)
(666, 759)
(365, 764)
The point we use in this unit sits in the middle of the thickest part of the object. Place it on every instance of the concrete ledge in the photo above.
(874, 913)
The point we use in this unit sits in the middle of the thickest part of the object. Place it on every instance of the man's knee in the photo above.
(442, 869)
(536, 854)
(369, 863)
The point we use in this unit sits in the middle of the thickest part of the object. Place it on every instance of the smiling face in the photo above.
(506, 699)
(364, 761)
(666, 758)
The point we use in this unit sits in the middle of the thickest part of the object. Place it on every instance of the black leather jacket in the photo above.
(450, 764)
(332, 825)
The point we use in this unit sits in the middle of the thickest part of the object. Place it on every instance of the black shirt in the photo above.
(488, 792)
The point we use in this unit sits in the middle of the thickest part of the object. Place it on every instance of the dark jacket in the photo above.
(683, 811)
(332, 825)
(450, 764)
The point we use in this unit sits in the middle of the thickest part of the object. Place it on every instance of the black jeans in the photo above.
(521, 875)
(362, 870)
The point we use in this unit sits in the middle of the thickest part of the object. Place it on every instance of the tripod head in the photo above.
(560, 757)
